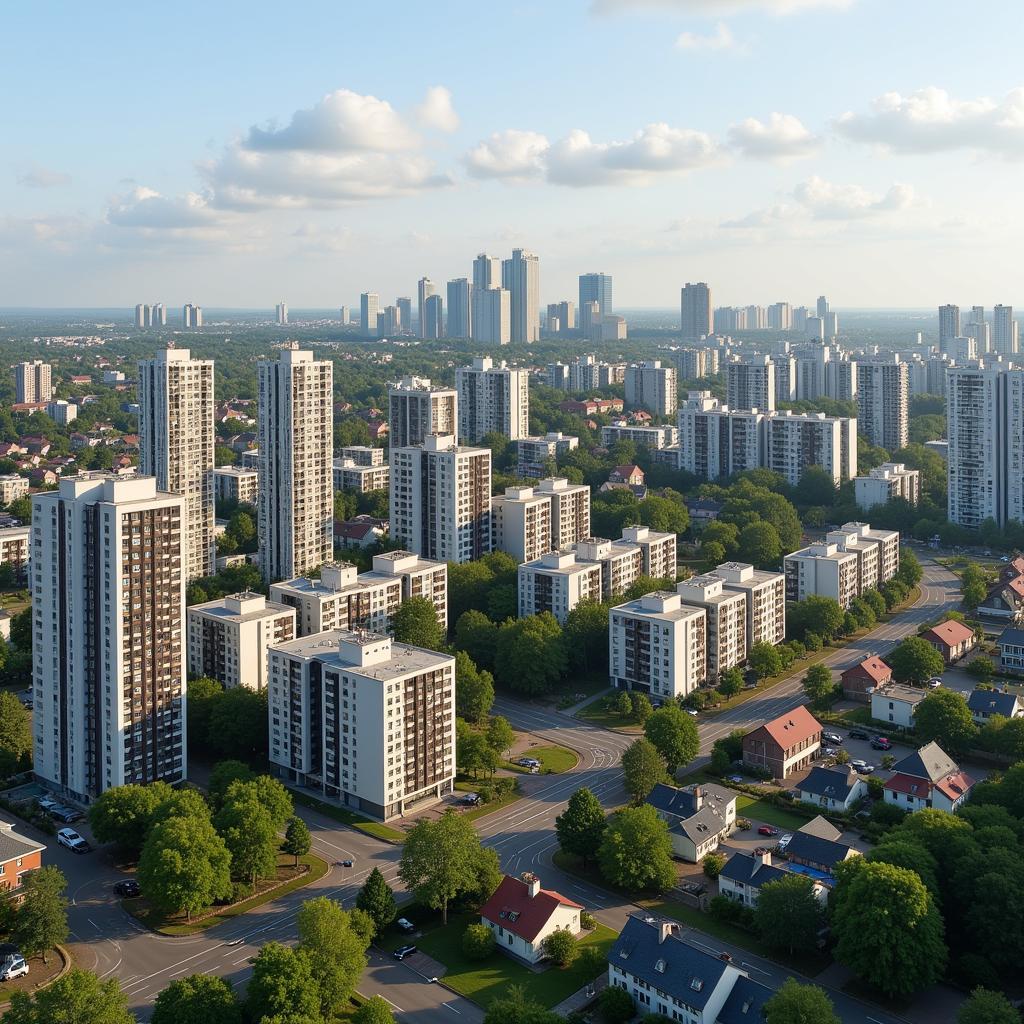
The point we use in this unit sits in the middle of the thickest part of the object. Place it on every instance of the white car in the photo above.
(934, 683)
(13, 967)
(73, 841)
(785, 840)
(691, 711)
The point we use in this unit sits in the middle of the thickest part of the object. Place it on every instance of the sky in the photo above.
(239, 153)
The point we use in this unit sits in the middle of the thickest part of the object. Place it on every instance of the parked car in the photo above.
(528, 762)
(691, 711)
(833, 738)
(69, 838)
(785, 841)
(863, 768)
(934, 683)
(859, 734)
(128, 888)
(768, 830)
(829, 752)
(734, 778)
(13, 967)
(403, 951)
(470, 799)
(65, 814)
(47, 803)
(881, 743)
(405, 925)
(693, 888)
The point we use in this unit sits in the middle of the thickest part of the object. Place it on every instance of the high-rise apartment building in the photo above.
(441, 499)
(715, 441)
(460, 309)
(424, 289)
(751, 384)
(32, 382)
(821, 307)
(191, 316)
(695, 311)
(351, 476)
(433, 317)
(562, 316)
(949, 323)
(824, 570)
(622, 564)
(486, 271)
(570, 510)
(296, 431)
(389, 322)
(726, 620)
(108, 611)
(597, 288)
(785, 378)
(522, 523)
(883, 403)
(535, 454)
(404, 306)
(176, 444)
(520, 276)
(795, 442)
(143, 315)
(369, 307)
(1005, 331)
(766, 600)
(281, 312)
(780, 316)
(651, 386)
(556, 582)
(492, 399)
(417, 409)
(159, 315)
(492, 315)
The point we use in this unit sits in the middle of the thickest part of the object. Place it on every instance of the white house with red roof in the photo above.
(951, 639)
(522, 915)
(929, 777)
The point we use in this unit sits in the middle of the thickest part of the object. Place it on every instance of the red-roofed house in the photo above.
(928, 778)
(786, 745)
(860, 679)
(951, 639)
(522, 915)
(632, 476)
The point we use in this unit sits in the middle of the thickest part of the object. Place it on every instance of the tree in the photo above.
(615, 1005)
(586, 637)
(515, 1008)
(642, 768)
(122, 815)
(530, 655)
(914, 661)
(334, 949)
(794, 1003)
(251, 839)
(377, 899)
(374, 1011)
(818, 683)
(636, 851)
(760, 545)
(15, 730)
(903, 850)
(674, 735)
(222, 775)
(561, 947)
(474, 689)
(79, 997)
(474, 632)
(266, 791)
(180, 803)
(816, 614)
(642, 709)
(875, 601)
(863, 613)
(297, 840)
(500, 735)
(765, 659)
(943, 716)
(414, 622)
(987, 1007)
(282, 983)
(731, 682)
(41, 919)
(910, 572)
(203, 694)
(580, 827)
(624, 705)
(478, 942)
(712, 864)
(197, 999)
(888, 929)
(791, 915)
(238, 724)
(184, 866)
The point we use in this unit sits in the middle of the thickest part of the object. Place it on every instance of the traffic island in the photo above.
(40, 975)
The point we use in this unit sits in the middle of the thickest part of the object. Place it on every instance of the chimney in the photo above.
(765, 859)
(698, 798)
(532, 884)
(665, 929)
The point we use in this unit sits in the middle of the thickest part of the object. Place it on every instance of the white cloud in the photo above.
(719, 40)
(43, 177)
(716, 7)
(931, 121)
(510, 154)
(145, 208)
(436, 110)
(783, 137)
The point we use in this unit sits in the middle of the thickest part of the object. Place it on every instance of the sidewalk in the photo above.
(578, 1000)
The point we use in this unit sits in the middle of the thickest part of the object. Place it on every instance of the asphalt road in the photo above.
(107, 940)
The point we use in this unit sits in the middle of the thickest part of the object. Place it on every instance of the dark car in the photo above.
(832, 737)
(881, 743)
(859, 734)
(128, 888)
(403, 951)
(405, 925)
(65, 814)
(345, 863)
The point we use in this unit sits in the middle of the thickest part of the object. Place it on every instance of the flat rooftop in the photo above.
(326, 648)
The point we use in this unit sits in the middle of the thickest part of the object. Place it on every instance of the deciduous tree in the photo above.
(580, 827)
(249, 834)
(530, 655)
(79, 997)
(794, 1003)
(474, 689)
(987, 1007)
(197, 999)
(636, 851)
(374, 1011)
(765, 659)
(914, 661)
(791, 915)
(642, 768)
(943, 716)
(282, 984)
(297, 840)
(818, 683)
(335, 950)
(674, 735)
(41, 919)
(561, 947)
(414, 622)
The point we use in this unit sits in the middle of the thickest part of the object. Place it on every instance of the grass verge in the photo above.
(765, 811)
(596, 713)
(553, 760)
(350, 818)
(494, 805)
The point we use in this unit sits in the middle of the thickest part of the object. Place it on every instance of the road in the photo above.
(105, 939)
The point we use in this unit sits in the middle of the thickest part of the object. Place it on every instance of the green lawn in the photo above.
(597, 713)
(553, 760)
(482, 982)
(858, 716)
(372, 828)
(765, 811)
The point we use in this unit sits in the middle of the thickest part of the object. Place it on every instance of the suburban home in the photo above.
(18, 855)
(362, 531)
(896, 704)
(744, 874)
(522, 915)
(1004, 602)
(986, 703)
(835, 789)
(1011, 650)
(815, 850)
(703, 511)
(860, 680)
(928, 778)
(631, 475)
(665, 975)
(951, 639)
(699, 817)
(786, 745)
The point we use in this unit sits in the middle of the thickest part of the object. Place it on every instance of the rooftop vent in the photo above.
(660, 966)
(697, 984)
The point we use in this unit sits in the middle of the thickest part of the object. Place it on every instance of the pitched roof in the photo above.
(820, 827)
(679, 806)
(791, 728)
(872, 667)
(950, 632)
(745, 1003)
(512, 907)
(993, 702)
(829, 782)
(13, 845)
(748, 870)
(826, 852)
(929, 762)
(1016, 585)
(1011, 636)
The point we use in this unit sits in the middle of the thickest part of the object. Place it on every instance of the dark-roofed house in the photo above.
(666, 975)
(698, 817)
(703, 511)
(816, 846)
(785, 745)
(1011, 650)
(928, 777)
(835, 789)
(951, 639)
(859, 680)
(1004, 602)
(522, 915)
(744, 874)
(986, 703)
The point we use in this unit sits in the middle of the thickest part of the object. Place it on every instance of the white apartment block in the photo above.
(440, 498)
(62, 413)
(108, 613)
(751, 384)
(795, 442)
(363, 455)
(657, 644)
(556, 582)
(766, 600)
(824, 570)
(417, 409)
(694, 363)
(883, 403)
(176, 443)
(32, 382)
(492, 315)
(658, 550)
(785, 378)
(365, 720)
(886, 483)
(492, 399)
(888, 542)
(651, 386)
(12, 487)
(869, 562)
(522, 523)
(621, 563)
(296, 496)
(14, 549)
(533, 454)
(351, 476)
(570, 510)
(726, 620)
(235, 483)
(228, 639)
(654, 438)
(714, 441)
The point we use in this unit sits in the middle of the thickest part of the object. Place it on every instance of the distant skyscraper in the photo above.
(460, 307)
(977, 314)
(282, 313)
(695, 311)
(432, 325)
(424, 289)
(404, 304)
(822, 307)
(492, 315)
(1005, 331)
(651, 386)
(32, 382)
(192, 315)
(486, 271)
(346, 316)
(949, 323)
(143, 315)
(597, 288)
(369, 307)
(520, 276)
(296, 440)
(565, 313)
(831, 325)
(590, 320)
(780, 316)
(389, 322)
(159, 315)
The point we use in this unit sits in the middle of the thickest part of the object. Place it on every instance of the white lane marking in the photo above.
(452, 1008)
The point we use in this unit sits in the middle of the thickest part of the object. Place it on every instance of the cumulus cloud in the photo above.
(43, 177)
(782, 137)
(511, 154)
(713, 7)
(719, 40)
(437, 111)
(931, 121)
(146, 208)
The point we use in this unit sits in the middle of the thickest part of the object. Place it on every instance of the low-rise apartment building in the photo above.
(785, 745)
(350, 475)
(824, 570)
(534, 455)
(14, 550)
(363, 454)
(12, 487)
(236, 483)
(653, 438)
(896, 705)
(886, 483)
(521, 522)
(556, 582)
(570, 510)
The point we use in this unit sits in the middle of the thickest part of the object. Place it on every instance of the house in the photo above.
(928, 778)
(18, 856)
(951, 639)
(362, 531)
(815, 850)
(667, 976)
(377, 429)
(590, 406)
(835, 789)
(1005, 601)
(860, 680)
(896, 704)
(1011, 650)
(785, 745)
(986, 703)
(698, 817)
(744, 874)
(703, 511)
(631, 476)
(522, 915)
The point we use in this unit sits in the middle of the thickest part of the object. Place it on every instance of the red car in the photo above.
(767, 830)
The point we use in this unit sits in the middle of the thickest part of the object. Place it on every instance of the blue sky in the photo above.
(238, 153)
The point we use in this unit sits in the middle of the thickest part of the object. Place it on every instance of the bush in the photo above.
(713, 864)
(587, 920)
(478, 942)
(240, 891)
(615, 1006)
(887, 814)
(561, 947)
(730, 912)
(876, 788)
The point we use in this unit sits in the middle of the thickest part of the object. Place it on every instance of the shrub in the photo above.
(477, 942)
(876, 788)
(615, 1006)
(561, 947)
(713, 864)
(587, 920)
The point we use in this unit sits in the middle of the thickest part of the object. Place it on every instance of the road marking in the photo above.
(93, 923)
(452, 1008)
